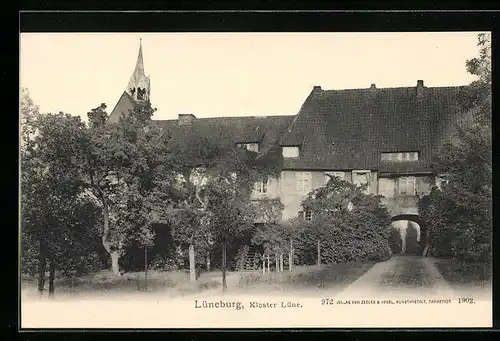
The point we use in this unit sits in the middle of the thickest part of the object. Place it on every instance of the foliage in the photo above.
(271, 233)
(127, 169)
(459, 215)
(216, 178)
(349, 224)
(55, 215)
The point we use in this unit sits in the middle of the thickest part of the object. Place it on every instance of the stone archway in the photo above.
(410, 233)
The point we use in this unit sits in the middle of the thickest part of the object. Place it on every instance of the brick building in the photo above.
(385, 137)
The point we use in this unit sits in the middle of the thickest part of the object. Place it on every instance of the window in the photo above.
(290, 152)
(308, 214)
(261, 186)
(360, 178)
(329, 175)
(253, 147)
(442, 179)
(303, 182)
(401, 157)
(407, 185)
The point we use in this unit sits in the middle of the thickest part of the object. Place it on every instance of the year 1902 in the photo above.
(469, 300)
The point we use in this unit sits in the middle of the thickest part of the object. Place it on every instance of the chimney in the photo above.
(185, 119)
(317, 88)
(373, 90)
(420, 88)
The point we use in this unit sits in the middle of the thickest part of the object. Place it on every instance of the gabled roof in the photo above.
(339, 129)
(124, 104)
(264, 130)
(348, 129)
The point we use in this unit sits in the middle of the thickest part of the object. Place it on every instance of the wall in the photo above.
(273, 190)
(291, 198)
(402, 204)
(286, 189)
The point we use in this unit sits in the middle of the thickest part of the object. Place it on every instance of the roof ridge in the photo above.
(395, 87)
(229, 117)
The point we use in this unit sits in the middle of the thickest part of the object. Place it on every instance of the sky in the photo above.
(233, 74)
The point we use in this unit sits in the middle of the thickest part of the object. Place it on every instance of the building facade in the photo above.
(383, 137)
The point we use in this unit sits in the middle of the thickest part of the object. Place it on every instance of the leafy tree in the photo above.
(347, 224)
(269, 234)
(229, 213)
(209, 164)
(459, 215)
(50, 188)
(126, 169)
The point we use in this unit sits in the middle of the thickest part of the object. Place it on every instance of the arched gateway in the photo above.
(411, 232)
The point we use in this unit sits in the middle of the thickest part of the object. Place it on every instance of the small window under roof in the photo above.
(399, 156)
(290, 152)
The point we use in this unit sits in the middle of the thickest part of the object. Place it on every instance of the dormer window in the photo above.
(400, 156)
(291, 152)
(253, 147)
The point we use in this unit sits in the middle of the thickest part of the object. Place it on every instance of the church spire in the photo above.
(139, 84)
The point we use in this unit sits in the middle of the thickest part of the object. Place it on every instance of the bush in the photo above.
(453, 231)
(348, 243)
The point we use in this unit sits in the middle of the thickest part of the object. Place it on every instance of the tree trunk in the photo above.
(276, 262)
(115, 256)
(115, 266)
(224, 255)
(319, 254)
(52, 274)
(290, 256)
(281, 262)
(208, 262)
(263, 265)
(268, 266)
(192, 264)
(41, 267)
(146, 268)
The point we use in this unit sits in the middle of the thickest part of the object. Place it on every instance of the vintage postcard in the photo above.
(255, 180)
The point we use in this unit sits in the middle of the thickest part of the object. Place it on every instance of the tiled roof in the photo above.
(340, 129)
(264, 130)
(124, 104)
(349, 129)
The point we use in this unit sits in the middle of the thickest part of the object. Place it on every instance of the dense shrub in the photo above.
(459, 215)
(349, 224)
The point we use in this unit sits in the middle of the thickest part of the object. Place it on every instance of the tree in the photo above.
(50, 187)
(229, 213)
(346, 225)
(271, 233)
(211, 167)
(127, 170)
(459, 214)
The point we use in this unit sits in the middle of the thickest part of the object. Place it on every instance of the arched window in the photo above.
(140, 93)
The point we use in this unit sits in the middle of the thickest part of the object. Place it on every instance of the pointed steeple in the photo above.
(139, 84)
(139, 66)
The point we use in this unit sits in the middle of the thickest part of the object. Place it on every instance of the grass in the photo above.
(328, 277)
(173, 283)
(459, 273)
